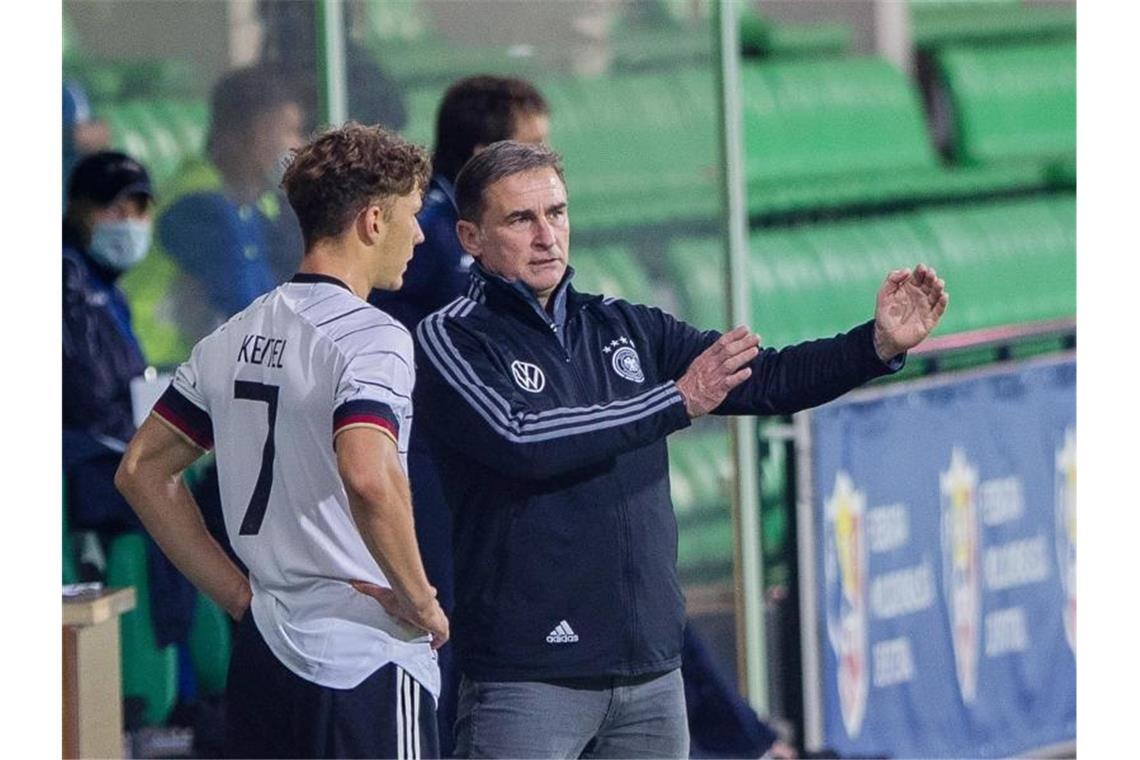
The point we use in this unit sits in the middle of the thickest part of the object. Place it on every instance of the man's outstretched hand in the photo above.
(428, 615)
(908, 307)
(719, 368)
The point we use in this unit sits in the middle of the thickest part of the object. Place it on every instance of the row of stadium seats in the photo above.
(117, 81)
(700, 475)
(836, 135)
(938, 23)
(403, 45)
(160, 133)
(1009, 261)
(821, 136)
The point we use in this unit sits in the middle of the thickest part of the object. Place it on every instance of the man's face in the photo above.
(524, 232)
(130, 207)
(275, 133)
(399, 234)
(533, 128)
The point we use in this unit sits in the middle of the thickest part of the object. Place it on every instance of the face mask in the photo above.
(120, 245)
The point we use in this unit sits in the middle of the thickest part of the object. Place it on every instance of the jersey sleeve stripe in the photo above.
(366, 412)
(190, 420)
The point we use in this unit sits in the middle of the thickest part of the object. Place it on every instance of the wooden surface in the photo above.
(92, 610)
(92, 692)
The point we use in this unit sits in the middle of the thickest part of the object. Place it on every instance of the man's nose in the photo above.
(419, 238)
(543, 234)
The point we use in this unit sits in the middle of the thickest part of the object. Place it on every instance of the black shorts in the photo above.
(272, 712)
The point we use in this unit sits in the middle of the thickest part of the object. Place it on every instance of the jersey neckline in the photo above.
(312, 277)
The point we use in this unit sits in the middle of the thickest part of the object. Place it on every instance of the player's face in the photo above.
(524, 233)
(400, 235)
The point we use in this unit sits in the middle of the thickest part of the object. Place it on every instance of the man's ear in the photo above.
(370, 224)
(470, 237)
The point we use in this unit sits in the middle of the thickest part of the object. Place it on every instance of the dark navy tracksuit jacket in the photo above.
(549, 432)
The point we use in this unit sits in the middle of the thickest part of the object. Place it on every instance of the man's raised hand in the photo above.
(718, 369)
(908, 307)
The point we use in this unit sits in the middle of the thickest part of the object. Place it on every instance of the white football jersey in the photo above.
(269, 390)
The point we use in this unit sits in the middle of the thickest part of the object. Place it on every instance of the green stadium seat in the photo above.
(696, 267)
(210, 646)
(70, 568)
(936, 23)
(700, 460)
(1005, 262)
(705, 550)
(126, 134)
(160, 133)
(700, 466)
(845, 134)
(815, 40)
(1013, 103)
(639, 148)
(150, 673)
(611, 271)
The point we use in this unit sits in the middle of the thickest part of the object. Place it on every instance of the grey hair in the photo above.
(500, 159)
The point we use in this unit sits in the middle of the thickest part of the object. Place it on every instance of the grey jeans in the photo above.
(590, 718)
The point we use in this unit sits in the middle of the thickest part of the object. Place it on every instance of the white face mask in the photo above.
(120, 245)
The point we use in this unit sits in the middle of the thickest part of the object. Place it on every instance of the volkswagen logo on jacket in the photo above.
(528, 376)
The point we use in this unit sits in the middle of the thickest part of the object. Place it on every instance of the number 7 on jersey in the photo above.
(259, 500)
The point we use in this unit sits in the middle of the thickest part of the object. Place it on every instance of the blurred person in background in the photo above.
(224, 221)
(546, 411)
(82, 133)
(106, 231)
(474, 113)
(225, 232)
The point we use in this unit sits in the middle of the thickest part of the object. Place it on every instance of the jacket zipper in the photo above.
(623, 514)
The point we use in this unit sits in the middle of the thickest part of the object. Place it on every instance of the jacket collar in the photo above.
(513, 297)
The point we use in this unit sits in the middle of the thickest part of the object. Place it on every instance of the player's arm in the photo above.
(150, 479)
(381, 503)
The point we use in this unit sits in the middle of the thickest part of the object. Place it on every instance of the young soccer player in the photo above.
(305, 396)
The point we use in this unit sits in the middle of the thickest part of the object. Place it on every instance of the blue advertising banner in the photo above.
(945, 564)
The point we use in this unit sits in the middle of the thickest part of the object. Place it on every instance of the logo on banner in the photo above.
(845, 570)
(961, 575)
(1066, 498)
(528, 376)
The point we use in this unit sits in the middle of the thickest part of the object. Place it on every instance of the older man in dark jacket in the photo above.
(548, 410)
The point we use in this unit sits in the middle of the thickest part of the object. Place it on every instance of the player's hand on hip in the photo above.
(427, 615)
(719, 368)
(907, 309)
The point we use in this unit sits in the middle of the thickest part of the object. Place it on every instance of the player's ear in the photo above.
(370, 224)
(470, 237)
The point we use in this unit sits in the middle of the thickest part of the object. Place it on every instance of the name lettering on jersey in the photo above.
(258, 349)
